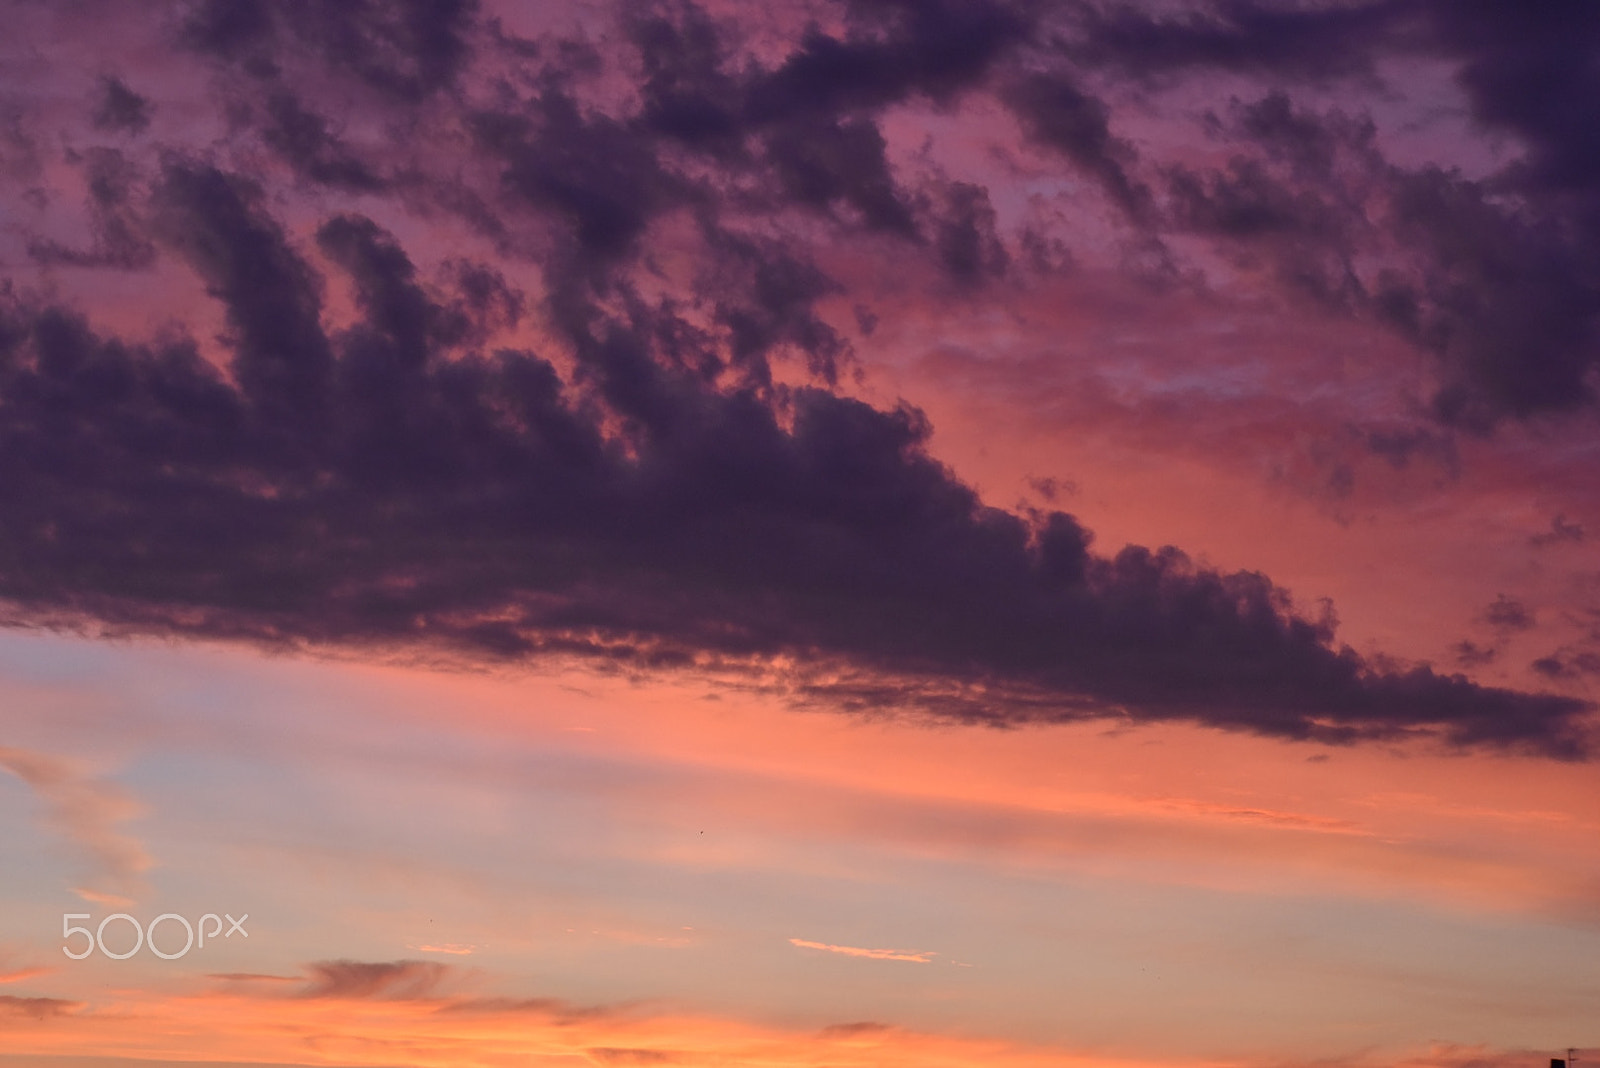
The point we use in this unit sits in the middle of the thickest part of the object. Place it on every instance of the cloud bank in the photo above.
(627, 432)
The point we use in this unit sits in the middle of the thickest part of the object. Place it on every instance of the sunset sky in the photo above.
(870, 534)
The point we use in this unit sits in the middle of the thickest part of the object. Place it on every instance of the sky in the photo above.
(854, 533)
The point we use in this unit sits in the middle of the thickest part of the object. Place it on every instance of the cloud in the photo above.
(611, 1055)
(1239, 36)
(851, 1030)
(230, 1030)
(37, 1008)
(870, 954)
(1561, 531)
(20, 974)
(1508, 614)
(1057, 113)
(1471, 654)
(118, 235)
(11, 971)
(405, 49)
(647, 457)
(86, 811)
(404, 980)
(1492, 277)
(282, 358)
(598, 181)
(1502, 294)
(302, 139)
(120, 108)
(901, 50)
(1508, 309)
(1568, 663)
(1495, 296)
(479, 503)
(969, 247)
(1532, 76)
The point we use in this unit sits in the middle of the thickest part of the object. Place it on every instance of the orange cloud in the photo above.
(21, 974)
(371, 1014)
(13, 970)
(367, 1014)
(450, 947)
(857, 951)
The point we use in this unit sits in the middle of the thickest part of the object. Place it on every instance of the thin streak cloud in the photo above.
(870, 954)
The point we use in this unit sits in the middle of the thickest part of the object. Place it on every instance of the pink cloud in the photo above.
(87, 811)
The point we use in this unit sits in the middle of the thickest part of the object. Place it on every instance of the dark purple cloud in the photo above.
(674, 477)
(1471, 654)
(899, 49)
(1313, 41)
(406, 49)
(1508, 614)
(1058, 114)
(302, 138)
(120, 108)
(117, 236)
(384, 487)
(1562, 531)
(1568, 664)
(1503, 280)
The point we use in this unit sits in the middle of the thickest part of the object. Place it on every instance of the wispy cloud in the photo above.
(451, 948)
(872, 954)
(401, 979)
(13, 971)
(374, 1027)
(87, 810)
(36, 1008)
